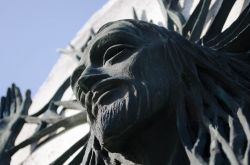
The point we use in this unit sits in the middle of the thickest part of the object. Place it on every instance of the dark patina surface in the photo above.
(153, 97)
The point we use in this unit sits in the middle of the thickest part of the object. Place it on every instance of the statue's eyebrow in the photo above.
(98, 49)
(118, 35)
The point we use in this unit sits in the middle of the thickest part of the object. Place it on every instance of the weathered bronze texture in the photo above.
(154, 97)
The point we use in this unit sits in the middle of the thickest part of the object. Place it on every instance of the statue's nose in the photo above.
(90, 77)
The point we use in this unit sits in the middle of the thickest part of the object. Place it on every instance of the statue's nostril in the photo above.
(75, 76)
(81, 83)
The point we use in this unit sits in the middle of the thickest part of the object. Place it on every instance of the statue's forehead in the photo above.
(119, 31)
(146, 31)
(123, 25)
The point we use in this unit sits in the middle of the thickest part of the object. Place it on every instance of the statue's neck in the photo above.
(156, 143)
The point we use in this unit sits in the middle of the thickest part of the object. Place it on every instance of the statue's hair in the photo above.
(212, 102)
(211, 94)
(211, 99)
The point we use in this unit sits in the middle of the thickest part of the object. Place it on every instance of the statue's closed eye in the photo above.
(117, 53)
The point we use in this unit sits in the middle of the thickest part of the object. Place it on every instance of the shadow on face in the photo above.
(120, 80)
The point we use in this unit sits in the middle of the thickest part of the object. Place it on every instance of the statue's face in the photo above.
(120, 81)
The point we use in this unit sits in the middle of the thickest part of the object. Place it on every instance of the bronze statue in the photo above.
(153, 97)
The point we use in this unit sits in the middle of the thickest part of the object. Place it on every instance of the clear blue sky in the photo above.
(30, 33)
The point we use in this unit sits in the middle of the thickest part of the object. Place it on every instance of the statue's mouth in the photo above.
(104, 92)
(105, 86)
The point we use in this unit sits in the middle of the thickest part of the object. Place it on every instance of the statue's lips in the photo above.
(105, 98)
(107, 92)
(105, 85)
(103, 92)
(98, 93)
